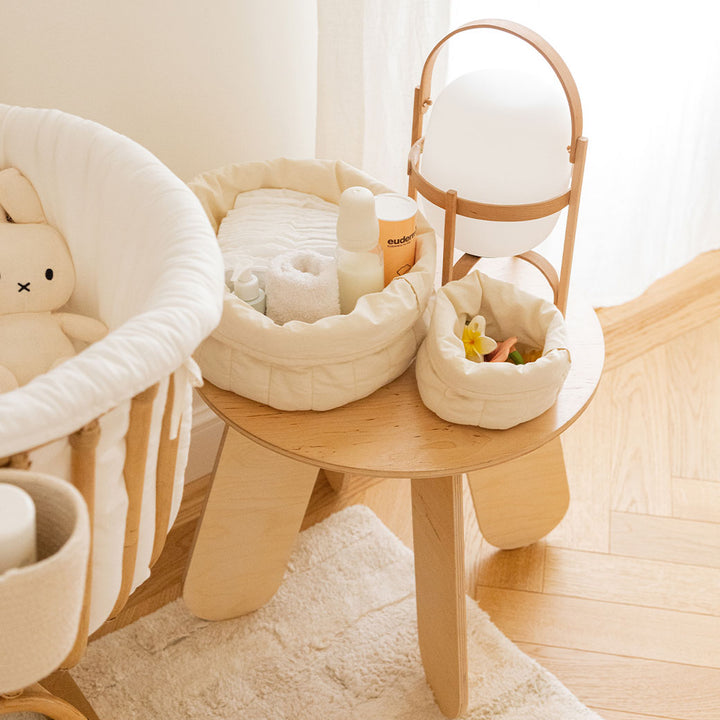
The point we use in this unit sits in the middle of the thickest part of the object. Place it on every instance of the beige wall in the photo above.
(199, 82)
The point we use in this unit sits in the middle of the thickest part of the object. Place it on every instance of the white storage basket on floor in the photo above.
(40, 604)
(338, 359)
(491, 395)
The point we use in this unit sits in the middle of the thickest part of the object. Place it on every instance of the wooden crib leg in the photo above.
(37, 699)
(255, 505)
(165, 478)
(62, 685)
(83, 445)
(136, 443)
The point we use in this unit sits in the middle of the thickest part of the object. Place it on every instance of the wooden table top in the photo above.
(392, 434)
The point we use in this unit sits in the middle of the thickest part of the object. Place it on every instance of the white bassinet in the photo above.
(116, 418)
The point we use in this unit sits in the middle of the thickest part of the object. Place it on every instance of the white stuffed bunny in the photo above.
(37, 276)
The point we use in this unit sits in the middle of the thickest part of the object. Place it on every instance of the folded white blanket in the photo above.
(268, 222)
(301, 285)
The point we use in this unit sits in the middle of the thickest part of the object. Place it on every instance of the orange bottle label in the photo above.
(397, 235)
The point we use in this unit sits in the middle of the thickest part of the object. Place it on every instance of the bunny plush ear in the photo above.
(18, 198)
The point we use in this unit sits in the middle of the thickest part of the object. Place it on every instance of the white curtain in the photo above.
(649, 78)
(648, 72)
(370, 55)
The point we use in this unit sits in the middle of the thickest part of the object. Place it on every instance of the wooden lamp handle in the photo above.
(422, 92)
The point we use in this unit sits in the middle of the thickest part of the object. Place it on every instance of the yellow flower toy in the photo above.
(476, 343)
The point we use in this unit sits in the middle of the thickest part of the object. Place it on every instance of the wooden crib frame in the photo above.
(58, 696)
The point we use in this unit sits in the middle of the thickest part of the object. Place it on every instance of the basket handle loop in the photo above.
(422, 92)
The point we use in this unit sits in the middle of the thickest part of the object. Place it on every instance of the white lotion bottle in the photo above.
(359, 255)
(247, 288)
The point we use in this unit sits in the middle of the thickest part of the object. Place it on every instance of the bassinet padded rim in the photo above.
(183, 306)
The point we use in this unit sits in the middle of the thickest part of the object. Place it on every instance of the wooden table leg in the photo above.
(255, 505)
(336, 480)
(522, 500)
(440, 588)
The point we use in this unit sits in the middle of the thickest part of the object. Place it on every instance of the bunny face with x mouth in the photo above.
(36, 271)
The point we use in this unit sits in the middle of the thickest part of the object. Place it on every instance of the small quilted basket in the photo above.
(40, 604)
(496, 395)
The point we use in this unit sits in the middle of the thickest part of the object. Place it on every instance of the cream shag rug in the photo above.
(337, 642)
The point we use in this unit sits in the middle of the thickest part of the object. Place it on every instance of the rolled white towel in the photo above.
(301, 285)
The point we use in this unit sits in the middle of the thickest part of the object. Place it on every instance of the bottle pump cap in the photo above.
(245, 284)
(357, 224)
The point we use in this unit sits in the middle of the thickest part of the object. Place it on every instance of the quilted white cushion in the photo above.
(341, 358)
(268, 222)
(491, 395)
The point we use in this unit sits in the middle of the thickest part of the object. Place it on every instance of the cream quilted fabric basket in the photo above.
(491, 395)
(318, 366)
(40, 604)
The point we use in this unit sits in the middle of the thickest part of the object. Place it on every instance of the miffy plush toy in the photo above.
(37, 276)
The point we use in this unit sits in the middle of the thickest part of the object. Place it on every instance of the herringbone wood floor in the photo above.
(622, 600)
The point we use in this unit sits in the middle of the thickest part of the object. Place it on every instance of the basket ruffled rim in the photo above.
(381, 315)
(446, 353)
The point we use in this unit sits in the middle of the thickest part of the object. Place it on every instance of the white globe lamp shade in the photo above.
(498, 136)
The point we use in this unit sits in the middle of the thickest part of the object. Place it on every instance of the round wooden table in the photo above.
(269, 461)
